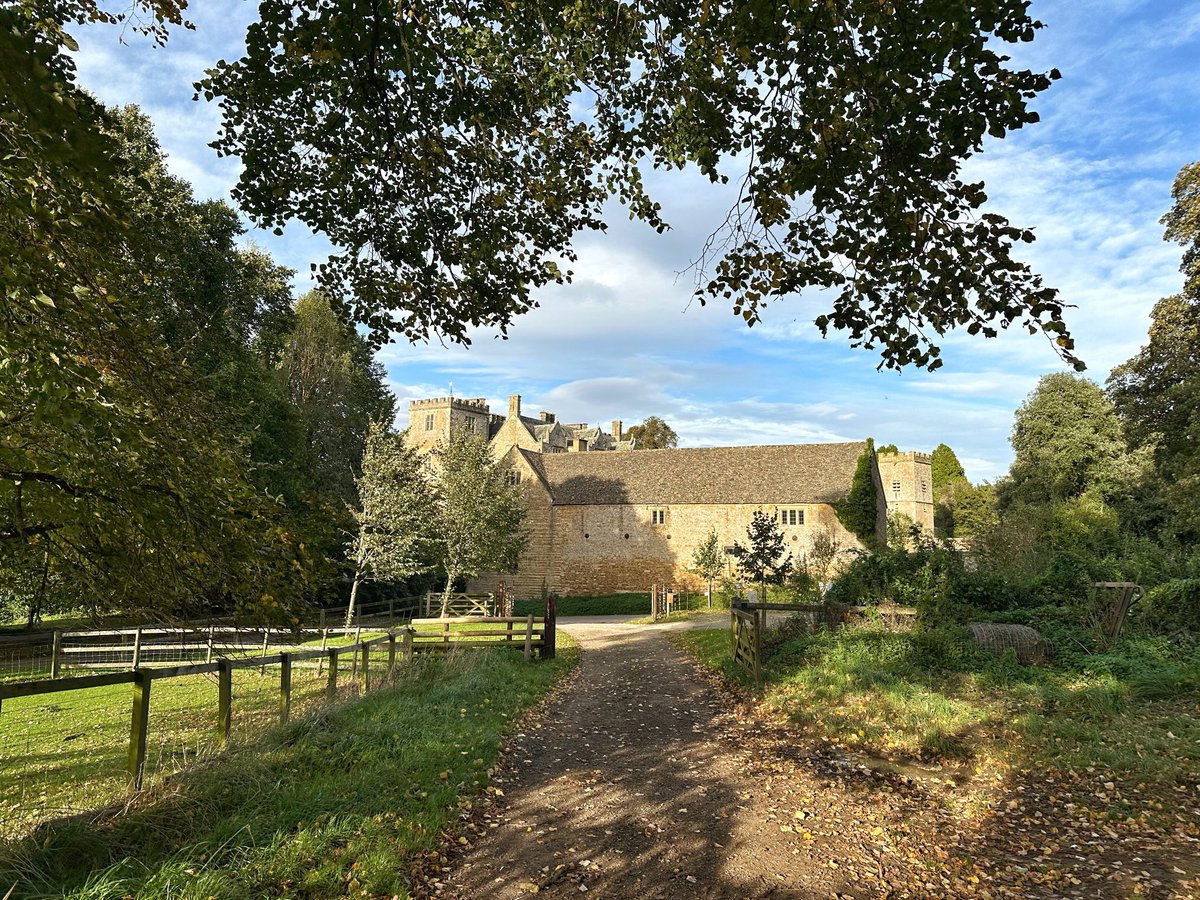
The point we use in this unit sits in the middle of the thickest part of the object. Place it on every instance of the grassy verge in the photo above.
(601, 605)
(1132, 714)
(348, 802)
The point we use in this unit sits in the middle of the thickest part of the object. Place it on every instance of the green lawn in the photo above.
(1133, 712)
(344, 802)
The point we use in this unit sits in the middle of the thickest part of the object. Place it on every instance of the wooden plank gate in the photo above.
(461, 605)
(745, 630)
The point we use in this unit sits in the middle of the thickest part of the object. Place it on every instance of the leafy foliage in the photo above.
(652, 434)
(395, 514)
(443, 153)
(859, 511)
(148, 455)
(763, 558)
(1067, 440)
(479, 514)
(945, 469)
(708, 559)
(332, 379)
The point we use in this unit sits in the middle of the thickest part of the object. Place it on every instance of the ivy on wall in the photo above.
(858, 511)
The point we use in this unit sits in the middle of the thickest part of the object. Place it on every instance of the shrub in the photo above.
(1173, 606)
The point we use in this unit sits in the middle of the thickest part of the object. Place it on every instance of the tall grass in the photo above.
(343, 802)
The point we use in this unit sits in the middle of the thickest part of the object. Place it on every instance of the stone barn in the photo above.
(603, 522)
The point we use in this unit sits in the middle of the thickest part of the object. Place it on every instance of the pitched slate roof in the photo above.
(790, 473)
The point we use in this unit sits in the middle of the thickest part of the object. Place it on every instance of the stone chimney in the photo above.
(514, 406)
(548, 417)
(616, 429)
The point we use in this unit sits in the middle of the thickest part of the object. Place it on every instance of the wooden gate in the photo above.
(745, 628)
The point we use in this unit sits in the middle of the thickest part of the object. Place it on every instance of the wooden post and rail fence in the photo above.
(527, 633)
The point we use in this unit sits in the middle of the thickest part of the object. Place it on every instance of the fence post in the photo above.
(550, 627)
(139, 722)
(55, 654)
(208, 655)
(654, 602)
(285, 687)
(529, 635)
(137, 647)
(408, 646)
(324, 647)
(331, 685)
(391, 610)
(224, 701)
(391, 654)
(266, 637)
(322, 619)
(366, 659)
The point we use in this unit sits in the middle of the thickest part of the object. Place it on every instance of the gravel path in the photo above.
(629, 786)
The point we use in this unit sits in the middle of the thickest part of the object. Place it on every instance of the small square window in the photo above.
(513, 477)
(470, 423)
(791, 517)
(896, 486)
(429, 422)
(658, 517)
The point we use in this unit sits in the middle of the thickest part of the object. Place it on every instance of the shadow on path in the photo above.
(626, 788)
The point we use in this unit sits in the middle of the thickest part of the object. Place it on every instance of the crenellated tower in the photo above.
(907, 480)
(434, 421)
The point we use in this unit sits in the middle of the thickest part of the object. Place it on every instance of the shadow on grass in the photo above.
(347, 800)
(1083, 777)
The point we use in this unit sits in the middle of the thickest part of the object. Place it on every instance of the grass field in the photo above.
(1132, 713)
(345, 802)
(65, 753)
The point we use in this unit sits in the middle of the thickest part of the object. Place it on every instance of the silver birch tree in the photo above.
(395, 515)
(480, 514)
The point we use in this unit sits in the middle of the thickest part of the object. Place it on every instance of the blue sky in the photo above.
(625, 341)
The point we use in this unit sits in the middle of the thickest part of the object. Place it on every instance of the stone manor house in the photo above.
(605, 517)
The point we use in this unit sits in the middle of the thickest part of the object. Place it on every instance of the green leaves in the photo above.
(763, 558)
(452, 153)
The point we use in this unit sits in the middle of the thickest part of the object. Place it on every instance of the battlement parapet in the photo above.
(911, 455)
(474, 403)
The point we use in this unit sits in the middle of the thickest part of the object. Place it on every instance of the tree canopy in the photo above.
(764, 557)
(652, 434)
(150, 455)
(1067, 440)
(1157, 392)
(453, 153)
(479, 515)
(944, 469)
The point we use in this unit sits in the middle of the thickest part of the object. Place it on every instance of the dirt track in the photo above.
(641, 779)
(628, 787)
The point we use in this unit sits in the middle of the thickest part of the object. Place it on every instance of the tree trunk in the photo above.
(710, 593)
(359, 567)
(446, 593)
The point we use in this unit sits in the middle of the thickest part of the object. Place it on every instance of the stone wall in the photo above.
(584, 550)
(907, 483)
(451, 415)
